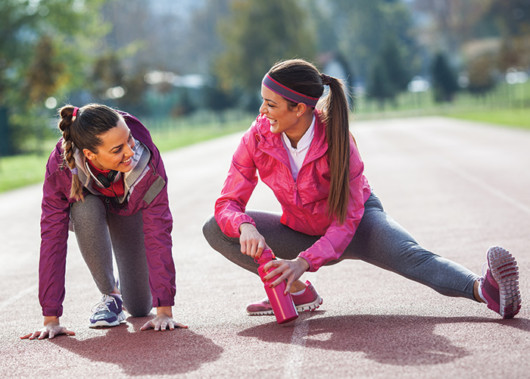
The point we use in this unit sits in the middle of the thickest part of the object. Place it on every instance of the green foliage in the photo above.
(444, 80)
(379, 85)
(258, 34)
(363, 27)
(107, 73)
(389, 75)
(45, 47)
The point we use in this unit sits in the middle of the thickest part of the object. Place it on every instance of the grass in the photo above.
(21, 170)
(519, 118)
(174, 138)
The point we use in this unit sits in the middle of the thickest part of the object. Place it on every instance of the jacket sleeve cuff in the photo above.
(167, 302)
(244, 219)
(305, 256)
(57, 312)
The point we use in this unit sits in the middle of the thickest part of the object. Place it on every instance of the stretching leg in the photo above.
(381, 241)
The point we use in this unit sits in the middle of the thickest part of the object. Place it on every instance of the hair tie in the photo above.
(74, 113)
(326, 79)
(74, 171)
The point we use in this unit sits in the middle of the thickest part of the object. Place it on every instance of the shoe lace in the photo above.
(103, 305)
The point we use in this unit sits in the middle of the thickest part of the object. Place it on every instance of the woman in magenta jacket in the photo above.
(309, 159)
(106, 180)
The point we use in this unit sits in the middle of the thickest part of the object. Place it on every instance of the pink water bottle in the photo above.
(281, 303)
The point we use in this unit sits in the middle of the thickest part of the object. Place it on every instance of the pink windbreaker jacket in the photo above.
(304, 201)
(149, 196)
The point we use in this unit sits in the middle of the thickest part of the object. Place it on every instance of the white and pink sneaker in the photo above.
(499, 287)
(309, 300)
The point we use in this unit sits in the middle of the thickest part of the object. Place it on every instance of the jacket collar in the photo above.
(140, 160)
(272, 144)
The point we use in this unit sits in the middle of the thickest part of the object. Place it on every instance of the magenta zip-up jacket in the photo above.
(304, 201)
(149, 195)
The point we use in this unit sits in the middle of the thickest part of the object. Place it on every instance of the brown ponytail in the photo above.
(82, 132)
(335, 110)
(301, 76)
(65, 125)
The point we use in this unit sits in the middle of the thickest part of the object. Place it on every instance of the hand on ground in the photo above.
(49, 331)
(162, 322)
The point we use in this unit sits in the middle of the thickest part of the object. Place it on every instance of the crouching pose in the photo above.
(106, 180)
(309, 159)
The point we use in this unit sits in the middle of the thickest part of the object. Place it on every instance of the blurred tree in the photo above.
(444, 80)
(512, 17)
(44, 50)
(363, 26)
(135, 87)
(457, 25)
(379, 86)
(452, 22)
(218, 99)
(107, 73)
(162, 35)
(481, 74)
(185, 105)
(203, 42)
(322, 16)
(389, 75)
(394, 63)
(258, 34)
(43, 74)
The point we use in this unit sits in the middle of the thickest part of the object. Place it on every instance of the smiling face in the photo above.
(115, 151)
(284, 117)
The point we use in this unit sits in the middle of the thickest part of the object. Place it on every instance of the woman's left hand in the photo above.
(162, 321)
(288, 270)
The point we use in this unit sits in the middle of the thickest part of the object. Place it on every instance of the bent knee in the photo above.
(138, 310)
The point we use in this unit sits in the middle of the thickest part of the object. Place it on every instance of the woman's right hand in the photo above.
(51, 328)
(252, 242)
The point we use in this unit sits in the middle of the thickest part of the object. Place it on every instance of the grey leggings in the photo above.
(98, 233)
(379, 240)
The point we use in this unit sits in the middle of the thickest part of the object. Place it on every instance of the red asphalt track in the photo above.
(458, 187)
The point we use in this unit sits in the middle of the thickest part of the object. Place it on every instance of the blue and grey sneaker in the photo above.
(108, 312)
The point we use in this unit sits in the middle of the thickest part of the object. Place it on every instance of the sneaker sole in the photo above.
(506, 273)
(300, 308)
(106, 324)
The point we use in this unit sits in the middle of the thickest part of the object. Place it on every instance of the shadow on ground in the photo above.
(388, 339)
(148, 352)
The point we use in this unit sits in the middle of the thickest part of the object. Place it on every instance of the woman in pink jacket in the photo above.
(309, 159)
(106, 180)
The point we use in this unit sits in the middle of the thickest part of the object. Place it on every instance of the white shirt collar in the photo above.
(297, 155)
(304, 142)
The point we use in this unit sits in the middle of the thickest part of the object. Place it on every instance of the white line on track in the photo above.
(294, 359)
(18, 296)
(465, 175)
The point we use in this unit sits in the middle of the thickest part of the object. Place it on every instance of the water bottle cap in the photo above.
(266, 255)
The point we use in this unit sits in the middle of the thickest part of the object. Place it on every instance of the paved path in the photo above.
(458, 187)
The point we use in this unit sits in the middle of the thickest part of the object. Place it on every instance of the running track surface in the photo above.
(458, 187)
